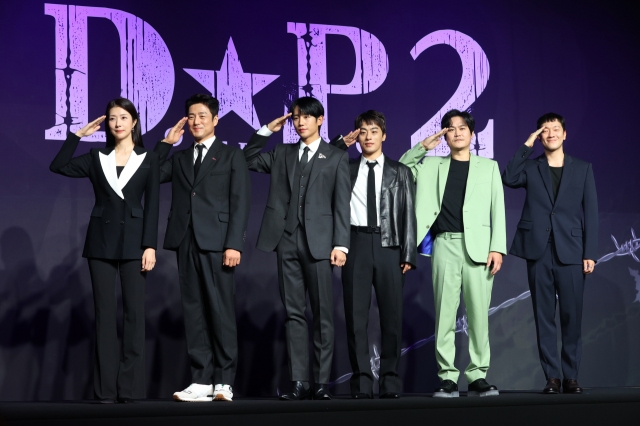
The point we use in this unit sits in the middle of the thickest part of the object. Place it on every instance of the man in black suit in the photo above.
(383, 248)
(558, 236)
(207, 227)
(306, 221)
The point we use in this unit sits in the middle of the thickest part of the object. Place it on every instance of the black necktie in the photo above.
(196, 166)
(372, 215)
(305, 158)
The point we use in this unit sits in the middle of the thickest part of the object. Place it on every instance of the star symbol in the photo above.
(233, 88)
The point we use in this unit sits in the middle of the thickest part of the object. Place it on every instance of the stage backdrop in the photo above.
(507, 62)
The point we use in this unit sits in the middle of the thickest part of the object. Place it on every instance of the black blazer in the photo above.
(327, 197)
(119, 228)
(573, 216)
(217, 201)
(397, 204)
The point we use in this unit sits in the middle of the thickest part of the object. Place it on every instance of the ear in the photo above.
(384, 137)
(215, 120)
(134, 123)
(320, 119)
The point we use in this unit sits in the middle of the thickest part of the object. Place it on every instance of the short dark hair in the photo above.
(551, 116)
(468, 119)
(307, 105)
(207, 100)
(136, 133)
(372, 117)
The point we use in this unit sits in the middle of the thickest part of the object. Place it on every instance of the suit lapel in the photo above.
(291, 161)
(210, 159)
(186, 164)
(321, 158)
(566, 176)
(443, 172)
(354, 168)
(543, 168)
(472, 177)
(134, 162)
(389, 174)
(108, 164)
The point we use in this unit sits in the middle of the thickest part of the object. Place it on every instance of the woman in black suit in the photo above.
(122, 237)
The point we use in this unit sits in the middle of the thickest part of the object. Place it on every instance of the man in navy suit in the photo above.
(558, 236)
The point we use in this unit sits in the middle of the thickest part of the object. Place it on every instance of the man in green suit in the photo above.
(461, 221)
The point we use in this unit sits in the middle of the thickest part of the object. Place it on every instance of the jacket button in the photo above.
(553, 212)
(107, 221)
(122, 222)
(435, 213)
(427, 226)
(193, 195)
(547, 229)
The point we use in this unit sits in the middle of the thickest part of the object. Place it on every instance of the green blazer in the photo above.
(483, 210)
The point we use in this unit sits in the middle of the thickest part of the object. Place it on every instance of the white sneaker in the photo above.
(223, 393)
(195, 393)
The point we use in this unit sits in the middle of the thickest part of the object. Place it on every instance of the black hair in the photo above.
(468, 119)
(372, 117)
(551, 116)
(308, 106)
(136, 133)
(207, 100)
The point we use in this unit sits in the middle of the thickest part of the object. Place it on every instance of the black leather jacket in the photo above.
(397, 205)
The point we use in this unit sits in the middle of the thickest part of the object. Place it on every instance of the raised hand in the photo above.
(533, 136)
(277, 124)
(350, 139)
(176, 132)
(91, 128)
(434, 140)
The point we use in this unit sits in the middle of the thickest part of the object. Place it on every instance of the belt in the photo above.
(366, 229)
(450, 235)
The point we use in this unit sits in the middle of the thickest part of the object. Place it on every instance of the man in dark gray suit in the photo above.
(558, 236)
(306, 222)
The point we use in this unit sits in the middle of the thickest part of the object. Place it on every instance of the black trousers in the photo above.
(299, 273)
(118, 374)
(207, 290)
(548, 277)
(369, 263)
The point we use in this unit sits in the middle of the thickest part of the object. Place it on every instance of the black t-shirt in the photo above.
(450, 217)
(119, 170)
(556, 177)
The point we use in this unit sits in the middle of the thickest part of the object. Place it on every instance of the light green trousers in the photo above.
(452, 269)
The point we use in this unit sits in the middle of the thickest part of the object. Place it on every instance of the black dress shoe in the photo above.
(480, 387)
(125, 400)
(552, 387)
(571, 386)
(106, 401)
(447, 389)
(321, 393)
(361, 395)
(298, 393)
(390, 395)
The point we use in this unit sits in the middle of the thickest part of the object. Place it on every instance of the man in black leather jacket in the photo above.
(382, 250)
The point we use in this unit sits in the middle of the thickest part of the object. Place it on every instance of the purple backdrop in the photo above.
(507, 62)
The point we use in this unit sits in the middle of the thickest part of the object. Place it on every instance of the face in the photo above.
(370, 139)
(307, 126)
(120, 123)
(553, 135)
(201, 123)
(458, 136)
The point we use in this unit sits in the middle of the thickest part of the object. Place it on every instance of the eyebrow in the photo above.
(373, 128)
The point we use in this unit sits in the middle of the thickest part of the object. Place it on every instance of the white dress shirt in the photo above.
(206, 144)
(359, 216)
(313, 147)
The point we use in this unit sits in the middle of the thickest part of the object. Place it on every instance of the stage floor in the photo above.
(597, 406)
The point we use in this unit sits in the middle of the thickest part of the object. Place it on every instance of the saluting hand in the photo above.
(350, 139)
(277, 124)
(533, 136)
(176, 132)
(434, 140)
(91, 128)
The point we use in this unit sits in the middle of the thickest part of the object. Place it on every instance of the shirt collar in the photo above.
(313, 146)
(380, 160)
(207, 143)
